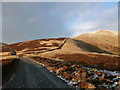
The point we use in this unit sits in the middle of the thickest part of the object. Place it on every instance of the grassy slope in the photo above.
(104, 39)
(100, 61)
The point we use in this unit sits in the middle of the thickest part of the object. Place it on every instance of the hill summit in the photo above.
(103, 39)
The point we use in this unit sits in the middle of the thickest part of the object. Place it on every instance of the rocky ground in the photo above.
(79, 76)
(96, 60)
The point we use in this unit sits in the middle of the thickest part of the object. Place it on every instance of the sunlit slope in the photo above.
(73, 46)
(103, 39)
(33, 46)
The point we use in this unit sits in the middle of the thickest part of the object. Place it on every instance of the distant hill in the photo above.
(2, 44)
(103, 39)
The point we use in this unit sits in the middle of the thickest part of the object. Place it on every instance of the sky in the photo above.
(22, 21)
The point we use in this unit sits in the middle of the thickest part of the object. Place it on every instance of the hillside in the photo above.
(76, 61)
(34, 46)
(1, 47)
(2, 44)
(74, 46)
(103, 39)
(80, 50)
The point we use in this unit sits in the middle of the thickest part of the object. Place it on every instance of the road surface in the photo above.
(32, 75)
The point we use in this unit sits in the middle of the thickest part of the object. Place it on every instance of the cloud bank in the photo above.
(25, 21)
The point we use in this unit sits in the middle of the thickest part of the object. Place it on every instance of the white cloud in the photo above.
(32, 20)
(83, 28)
(64, 19)
(107, 19)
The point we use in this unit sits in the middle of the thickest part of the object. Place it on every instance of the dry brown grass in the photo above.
(4, 53)
(7, 59)
(33, 46)
(93, 60)
(73, 46)
(104, 39)
(36, 43)
(3, 49)
(85, 78)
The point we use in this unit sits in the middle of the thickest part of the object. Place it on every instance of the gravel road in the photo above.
(33, 75)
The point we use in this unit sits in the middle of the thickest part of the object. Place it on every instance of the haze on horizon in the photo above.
(22, 21)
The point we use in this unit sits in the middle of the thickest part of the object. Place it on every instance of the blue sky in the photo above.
(27, 21)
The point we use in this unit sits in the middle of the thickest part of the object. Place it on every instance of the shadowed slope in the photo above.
(78, 46)
(89, 48)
